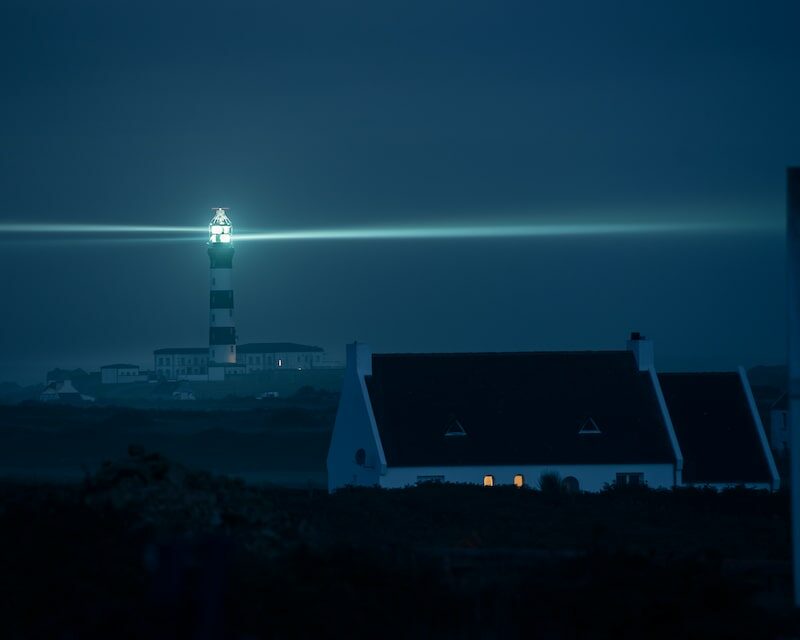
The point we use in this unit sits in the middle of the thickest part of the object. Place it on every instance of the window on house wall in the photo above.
(361, 457)
(488, 481)
(519, 480)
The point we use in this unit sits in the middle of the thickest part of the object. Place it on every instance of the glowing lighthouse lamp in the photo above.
(220, 228)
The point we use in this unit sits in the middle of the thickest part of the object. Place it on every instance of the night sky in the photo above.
(345, 114)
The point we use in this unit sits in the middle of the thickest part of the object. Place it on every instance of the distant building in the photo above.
(62, 391)
(175, 362)
(595, 418)
(192, 363)
(264, 356)
(121, 374)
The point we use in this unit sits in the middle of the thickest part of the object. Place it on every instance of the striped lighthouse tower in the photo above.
(222, 332)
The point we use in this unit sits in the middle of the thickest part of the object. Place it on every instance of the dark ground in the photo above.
(277, 441)
(146, 549)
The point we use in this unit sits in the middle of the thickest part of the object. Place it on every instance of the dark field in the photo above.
(277, 441)
(146, 549)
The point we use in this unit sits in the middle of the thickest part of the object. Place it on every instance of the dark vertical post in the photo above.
(793, 290)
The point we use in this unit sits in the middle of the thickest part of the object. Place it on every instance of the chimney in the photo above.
(642, 349)
(793, 300)
(359, 358)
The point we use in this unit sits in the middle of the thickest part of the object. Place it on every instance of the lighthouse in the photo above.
(221, 332)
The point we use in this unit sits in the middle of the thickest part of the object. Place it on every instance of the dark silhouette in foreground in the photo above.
(145, 548)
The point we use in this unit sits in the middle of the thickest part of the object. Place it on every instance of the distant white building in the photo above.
(266, 356)
(121, 374)
(174, 363)
(192, 363)
(595, 418)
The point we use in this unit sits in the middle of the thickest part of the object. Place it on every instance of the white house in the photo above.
(593, 417)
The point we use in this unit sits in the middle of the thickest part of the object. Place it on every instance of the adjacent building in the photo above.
(595, 418)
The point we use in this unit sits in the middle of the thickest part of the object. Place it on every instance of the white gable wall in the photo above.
(762, 436)
(355, 428)
(591, 477)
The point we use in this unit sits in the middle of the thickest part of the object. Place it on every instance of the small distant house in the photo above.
(62, 391)
(595, 418)
(121, 374)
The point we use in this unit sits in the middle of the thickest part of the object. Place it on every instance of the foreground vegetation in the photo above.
(146, 548)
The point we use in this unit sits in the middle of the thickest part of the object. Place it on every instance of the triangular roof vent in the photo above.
(589, 426)
(454, 428)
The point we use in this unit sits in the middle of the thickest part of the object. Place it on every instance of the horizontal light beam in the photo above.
(109, 233)
(505, 231)
(41, 228)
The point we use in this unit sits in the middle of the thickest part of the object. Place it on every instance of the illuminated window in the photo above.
(519, 480)
(488, 481)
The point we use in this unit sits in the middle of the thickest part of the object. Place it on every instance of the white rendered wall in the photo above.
(355, 428)
(590, 477)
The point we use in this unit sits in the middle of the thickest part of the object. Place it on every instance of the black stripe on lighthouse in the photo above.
(222, 299)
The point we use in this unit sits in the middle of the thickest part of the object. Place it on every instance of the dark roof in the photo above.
(275, 347)
(120, 366)
(181, 350)
(516, 408)
(715, 428)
